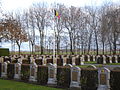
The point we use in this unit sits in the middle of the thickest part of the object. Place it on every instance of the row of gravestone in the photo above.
(44, 61)
(103, 75)
(108, 59)
(61, 60)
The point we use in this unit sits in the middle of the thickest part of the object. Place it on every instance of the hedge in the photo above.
(115, 80)
(42, 75)
(89, 79)
(38, 61)
(25, 61)
(25, 72)
(0, 69)
(10, 70)
(4, 52)
(63, 76)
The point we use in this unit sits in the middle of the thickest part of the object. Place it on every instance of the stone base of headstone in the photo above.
(75, 85)
(51, 81)
(4, 75)
(16, 76)
(64, 64)
(33, 79)
(82, 63)
(103, 87)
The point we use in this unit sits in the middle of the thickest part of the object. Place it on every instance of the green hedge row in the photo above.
(89, 79)
(10, 71)
(42, 75)
(25, 72)
(63, 76)
(4, 52)
(0, 68)
(115, 80)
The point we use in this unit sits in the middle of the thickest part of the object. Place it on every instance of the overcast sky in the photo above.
(11, 5)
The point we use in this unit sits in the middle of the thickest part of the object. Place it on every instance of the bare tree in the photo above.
(40, 12)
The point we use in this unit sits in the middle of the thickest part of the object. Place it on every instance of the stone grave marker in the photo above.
(110, 59)
(44, 61)
(20, 60)
(75, 77)
(68, 65)
(1, 59)
(116, 58)
(104, 59)
(88, 58)
(94, 58)
(33, 72)
(32, 60)
(17, 74)
(64, 61)
(82, 60)
(104, 79)
(92, 67)
(73, 60)
(52, 71)
(55, 60)
(4, 70)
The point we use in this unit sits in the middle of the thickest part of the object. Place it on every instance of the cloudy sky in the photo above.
(20, 4)
(13, 5)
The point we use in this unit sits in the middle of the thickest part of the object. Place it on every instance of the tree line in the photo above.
(77, 29)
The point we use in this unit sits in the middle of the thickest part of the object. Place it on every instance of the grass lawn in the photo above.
(91, 62)
(14, 85)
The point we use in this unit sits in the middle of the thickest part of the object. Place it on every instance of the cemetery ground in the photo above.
(15, 85)
(94, 72)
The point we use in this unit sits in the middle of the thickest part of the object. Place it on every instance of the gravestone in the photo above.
(17, 74)
(44, 61)
(20, 60)
(92, 67)
(110, 59)
(55, 60)
(73, 60)
(68, 65)
(1, 59)
(33, 72)
(52, 71)
(104, 59)
(4, 69)
(116, 58)
(104, 79)
(82, 60)
(64, 61)
(88, 58)
(94, 58)
(32, 60)
(75, 77)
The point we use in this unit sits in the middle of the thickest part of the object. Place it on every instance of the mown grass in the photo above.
(14, 85)
(91, 62)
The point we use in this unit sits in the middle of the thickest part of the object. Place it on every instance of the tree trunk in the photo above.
(19, 49)
(114, 44)
(32, 48)
(96, 42)
(103, 47)
(89, 43)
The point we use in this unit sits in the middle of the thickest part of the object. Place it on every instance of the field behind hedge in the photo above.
(13, 85)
